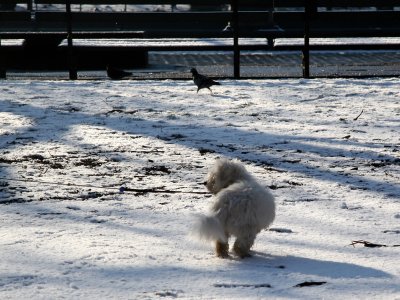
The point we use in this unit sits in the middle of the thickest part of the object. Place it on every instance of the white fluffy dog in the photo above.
(241, 208)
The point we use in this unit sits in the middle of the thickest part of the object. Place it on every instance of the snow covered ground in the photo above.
(100, 181)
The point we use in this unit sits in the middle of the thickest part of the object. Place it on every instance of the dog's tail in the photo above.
(209, 228)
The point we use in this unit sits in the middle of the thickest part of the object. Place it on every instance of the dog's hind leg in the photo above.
(243, 244)
(222, 249)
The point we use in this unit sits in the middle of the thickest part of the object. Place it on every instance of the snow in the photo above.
(100, 182)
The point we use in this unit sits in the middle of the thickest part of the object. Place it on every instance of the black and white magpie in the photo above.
(202, 81)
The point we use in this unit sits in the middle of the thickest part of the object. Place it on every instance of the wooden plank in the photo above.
(31, 32)
(158, 2)
(337, 3)
(206, 5)
(27, 2)
(14, 20)
(341, 24)
(254, 3)
(340, 19)
(363, 19)
(17, 16)
(357, 3)
(144, 2)
(152, 21)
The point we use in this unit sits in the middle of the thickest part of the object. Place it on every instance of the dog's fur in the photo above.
(241, 208)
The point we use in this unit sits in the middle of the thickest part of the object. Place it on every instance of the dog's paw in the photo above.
(222, 249)
(224, 256)
(245, 255)
(241, 252)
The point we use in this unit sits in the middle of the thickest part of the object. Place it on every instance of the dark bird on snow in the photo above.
(116, 74)
(202, 81)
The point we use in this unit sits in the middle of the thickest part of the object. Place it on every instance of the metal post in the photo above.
(3, 74)
(310, 13)
(306, 46)
(236, 50)
(71, 61)
(306, 52)
(29, 5)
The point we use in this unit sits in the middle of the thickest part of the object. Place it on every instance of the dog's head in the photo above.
(224, 173)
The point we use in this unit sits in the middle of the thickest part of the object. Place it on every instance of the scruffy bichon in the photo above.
(241, 208)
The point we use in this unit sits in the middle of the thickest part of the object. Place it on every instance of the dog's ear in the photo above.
(235, 170)
(219, 165)
(228, 173)
(220, 160)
